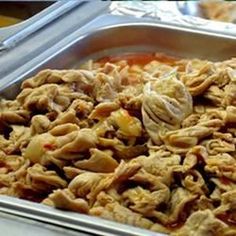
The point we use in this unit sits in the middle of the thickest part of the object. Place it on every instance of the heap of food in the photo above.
(144, 140)
(219, 10)
(7, 21)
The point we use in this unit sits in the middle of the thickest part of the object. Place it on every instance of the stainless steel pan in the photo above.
(34, 15)
(142, 37)
(131, 36)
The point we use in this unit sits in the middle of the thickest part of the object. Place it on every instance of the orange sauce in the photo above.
(139, 58)
(49, 146)
(225, 180)
(175, 225)
(7, 21)
(227, 218)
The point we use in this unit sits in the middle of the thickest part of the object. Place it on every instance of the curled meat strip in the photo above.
(166, 103)
(144, 140)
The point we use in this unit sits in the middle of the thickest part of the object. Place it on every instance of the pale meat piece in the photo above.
(115, 211)
(41, 179)
(143, 140)
(181, 140)
(221, 165)
(41, 98)
(178, 205)
(128, 152)
(197, 154)
(10, 162)
(157, 69)
(43, 77)
(144, 201)
(190, 120)
(158, 166)
(230, 114)
(213, 115)
(131, 97)
(19, 137)
(74, 143)
(103, 110)
(195, 183)
(128, 125)
(15, 117)
(224, 184)
(36, 150)
(84, 78)
(219, 10)
(99, 161)
(83, 183)
(63, 118)
(39, 124)
(11, 112)
(202, 223)
(71, 172)
(166, 103)
(220, 143)
(199, 77)
(106, 87)
(121, 174)
(13, 171)
(64, 129)
(227, 207)
(215, 95)
(56, 149)
(230, 94)
(65, 199)
(4, 144)
(82, 108)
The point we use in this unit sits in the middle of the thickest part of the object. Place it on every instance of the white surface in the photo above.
(16, 226)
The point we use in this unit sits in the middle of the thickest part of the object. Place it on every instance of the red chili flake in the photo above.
(49, 146)
(224, 180)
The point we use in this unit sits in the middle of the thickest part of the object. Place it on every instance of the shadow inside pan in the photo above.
(14, 12)
(191, 8)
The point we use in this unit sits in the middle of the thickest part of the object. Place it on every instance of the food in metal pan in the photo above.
(7, 21)
(143, 139)
(219, 10)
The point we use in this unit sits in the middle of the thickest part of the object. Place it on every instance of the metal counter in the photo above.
(45, 49)
(22, 51)
(12, 225)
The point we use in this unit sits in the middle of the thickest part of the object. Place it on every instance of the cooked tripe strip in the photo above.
(146, 142)
(166, 103)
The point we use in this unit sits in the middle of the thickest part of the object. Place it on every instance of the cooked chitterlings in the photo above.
(146, 143)
(166, 102)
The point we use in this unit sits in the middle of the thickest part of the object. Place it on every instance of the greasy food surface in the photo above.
(7, 21)
(145, 140)
(219, 10)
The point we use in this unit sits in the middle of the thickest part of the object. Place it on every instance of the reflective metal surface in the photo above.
(180, 13)
(98, 40)
(190, 8)
(20, 10)
(70, 220)
(12, 225)
(58, 30)
(37, 18)
(143, 37)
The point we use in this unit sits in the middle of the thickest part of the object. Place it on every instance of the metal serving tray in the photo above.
(112, 39)
(179, 13)
(108, 40)
(191, 8)
(34, 15)
(21, 10)
(13, 225)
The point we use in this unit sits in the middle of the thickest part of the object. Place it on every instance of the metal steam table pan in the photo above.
(109, 40)
(27, 17)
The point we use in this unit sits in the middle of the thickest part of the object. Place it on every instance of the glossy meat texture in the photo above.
(144, 140)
